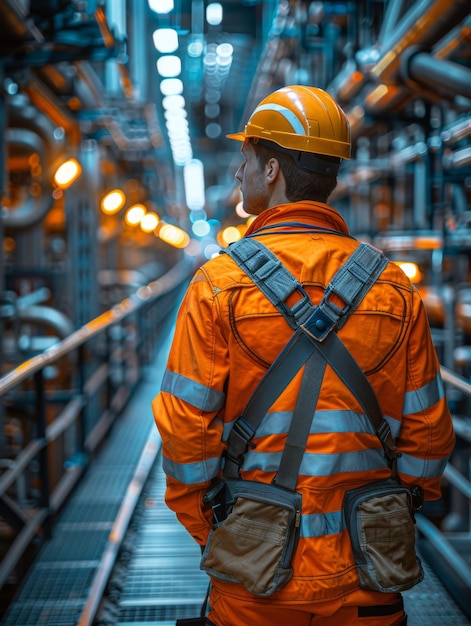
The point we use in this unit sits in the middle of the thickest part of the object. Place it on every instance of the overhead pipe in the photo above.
(354, 75)
(456, 43)
(33, 208)
(31, 132)
(451, 78)
(48, 317)
(457, 131)
(15, 20)
(411, 154)
(423, 25)
(459, 158)
(394, 11)
(45, 100)
(88, 88)
(92, 87)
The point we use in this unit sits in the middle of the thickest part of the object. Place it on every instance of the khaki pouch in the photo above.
(379, 518)
(255, 544)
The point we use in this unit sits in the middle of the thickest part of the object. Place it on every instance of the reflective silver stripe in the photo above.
(324, 422)
(192, 392)
(278, 423)
(192, 473)
(321, 524)
(425, 397)
(227, 429)
(286, 113)
(421, 468)
(319, 464)
(394, 425)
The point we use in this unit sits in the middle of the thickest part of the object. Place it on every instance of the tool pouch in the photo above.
(255, 544)
(380, 521)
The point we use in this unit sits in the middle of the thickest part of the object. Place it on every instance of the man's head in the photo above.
(305, 130)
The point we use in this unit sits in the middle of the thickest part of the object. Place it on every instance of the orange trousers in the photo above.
(360, 608)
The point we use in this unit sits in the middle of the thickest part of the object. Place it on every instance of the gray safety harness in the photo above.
(313, 343)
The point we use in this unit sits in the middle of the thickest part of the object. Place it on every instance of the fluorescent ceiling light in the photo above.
(171, 86)
(195, 48)
(169, 66)
(214, 13)
(161, 6)
(173, 102)
(175, 113)
(165, 40)
(193, 177)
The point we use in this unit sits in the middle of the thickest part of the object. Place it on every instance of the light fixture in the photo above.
(224, 52)
(169, 66)
(67, 173)
(193, 178)
(174, 236)
(173, 114)
(201, 228)
(411, 270)
(173, 102)
(214, 13)
(149, 222)
(161, 6)
(134, 214)
(113, 201)
(165, 40)
(171, 86)
(195, 48)
(229, 235)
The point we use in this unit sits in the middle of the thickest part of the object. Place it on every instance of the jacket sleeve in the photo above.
(427, 438)
(187, 409)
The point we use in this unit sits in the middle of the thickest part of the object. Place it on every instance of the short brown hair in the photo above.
(300, 184)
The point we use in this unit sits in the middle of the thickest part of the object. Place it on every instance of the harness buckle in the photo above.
(244, 431)
(318, 325)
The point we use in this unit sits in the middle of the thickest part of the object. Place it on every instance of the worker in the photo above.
(228, 333)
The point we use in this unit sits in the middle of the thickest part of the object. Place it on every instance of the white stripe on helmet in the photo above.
(286, 113)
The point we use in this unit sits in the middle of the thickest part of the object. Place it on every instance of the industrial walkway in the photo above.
(156, 577)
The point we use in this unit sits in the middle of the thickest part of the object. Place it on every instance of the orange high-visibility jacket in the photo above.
(226, 336)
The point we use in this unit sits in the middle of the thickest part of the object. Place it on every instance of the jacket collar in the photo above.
(306, 212)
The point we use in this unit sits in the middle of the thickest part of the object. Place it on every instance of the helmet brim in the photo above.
(237, 136)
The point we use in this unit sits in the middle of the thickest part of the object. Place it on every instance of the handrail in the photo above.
(94, 389)
(445, 550)
(143, 295)
(461, 383)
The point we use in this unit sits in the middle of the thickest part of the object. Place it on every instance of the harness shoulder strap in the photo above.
(350, 283)
(314, 324)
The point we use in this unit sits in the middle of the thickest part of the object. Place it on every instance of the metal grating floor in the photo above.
(164, 582)
(429, 603)
(55, 589)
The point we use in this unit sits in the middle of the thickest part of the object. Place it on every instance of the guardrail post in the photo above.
(42, 435)
(82, 435)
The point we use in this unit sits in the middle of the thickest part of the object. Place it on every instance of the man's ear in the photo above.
(272, 170)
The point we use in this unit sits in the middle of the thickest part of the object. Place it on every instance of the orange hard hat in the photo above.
(300, 118)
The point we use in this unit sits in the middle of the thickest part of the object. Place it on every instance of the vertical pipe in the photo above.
(116, 19)
(139, 51)
(420, 195)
